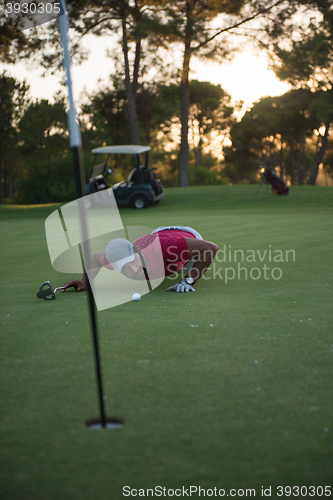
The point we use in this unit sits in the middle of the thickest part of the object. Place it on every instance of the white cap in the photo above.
(119, 252)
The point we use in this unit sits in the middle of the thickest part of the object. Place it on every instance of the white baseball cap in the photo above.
(119, 252)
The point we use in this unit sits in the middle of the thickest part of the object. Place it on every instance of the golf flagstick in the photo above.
(76, 145)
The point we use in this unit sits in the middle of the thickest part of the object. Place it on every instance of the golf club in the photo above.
(46, 291)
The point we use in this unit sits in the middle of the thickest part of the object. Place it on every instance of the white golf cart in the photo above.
(141, 188)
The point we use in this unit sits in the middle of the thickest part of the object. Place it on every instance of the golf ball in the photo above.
(136, 297)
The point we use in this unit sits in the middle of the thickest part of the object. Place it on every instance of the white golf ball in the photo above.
(136, 297)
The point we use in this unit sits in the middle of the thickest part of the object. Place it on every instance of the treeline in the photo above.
(289, 133)
(152, 100)
(36, 161)
(285, 131)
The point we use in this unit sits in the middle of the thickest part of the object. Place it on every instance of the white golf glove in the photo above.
(181, 287)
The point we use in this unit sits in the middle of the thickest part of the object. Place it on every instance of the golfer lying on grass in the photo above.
(177, 245)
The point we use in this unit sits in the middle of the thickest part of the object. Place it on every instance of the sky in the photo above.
(246, 78)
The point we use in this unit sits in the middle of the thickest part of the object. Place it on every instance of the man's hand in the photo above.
(203, 253)
(96, 264)
(181, 287)
(78, 285)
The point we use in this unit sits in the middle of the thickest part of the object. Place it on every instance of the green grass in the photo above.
(240, 399)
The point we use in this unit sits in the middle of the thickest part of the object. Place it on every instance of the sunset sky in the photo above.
(246, 78)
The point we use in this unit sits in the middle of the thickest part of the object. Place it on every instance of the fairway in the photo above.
(229, 387)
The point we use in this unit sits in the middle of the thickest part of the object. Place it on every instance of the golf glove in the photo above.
(182, 286)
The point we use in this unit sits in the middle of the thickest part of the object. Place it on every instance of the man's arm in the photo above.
(203, 252)
(96, 264)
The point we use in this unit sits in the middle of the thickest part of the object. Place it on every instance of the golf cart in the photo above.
(141, 187)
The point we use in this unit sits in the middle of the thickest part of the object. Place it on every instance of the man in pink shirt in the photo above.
(162, 253)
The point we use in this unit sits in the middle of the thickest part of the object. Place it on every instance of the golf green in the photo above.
(228, 388)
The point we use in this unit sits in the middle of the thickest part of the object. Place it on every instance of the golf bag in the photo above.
(278, 186)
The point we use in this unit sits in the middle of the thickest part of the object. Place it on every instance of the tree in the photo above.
(136, 21)
(306, 60)
(15, 43)
(186, 22)
(13, 100)
(158, 109)
(210, 110)
(191, 21)
(267, 131)
(159, 23)
(105, 115)
(328, 162)
(43, 130)
(157, 106)
(322, 111)
(96, 17)
(47, 175)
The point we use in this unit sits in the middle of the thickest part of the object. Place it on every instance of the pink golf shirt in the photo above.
(174, 251)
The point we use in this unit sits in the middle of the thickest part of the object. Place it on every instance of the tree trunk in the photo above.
(293, 162)
(270, 155)
(137, 58)
(281, 161)
(198, 153)
(136, 68)
(4, 184)
(1, 181)
(185, 104)
(299, 161)
(11, 185)
(130, 108)
(184, 111)
(319, 155)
